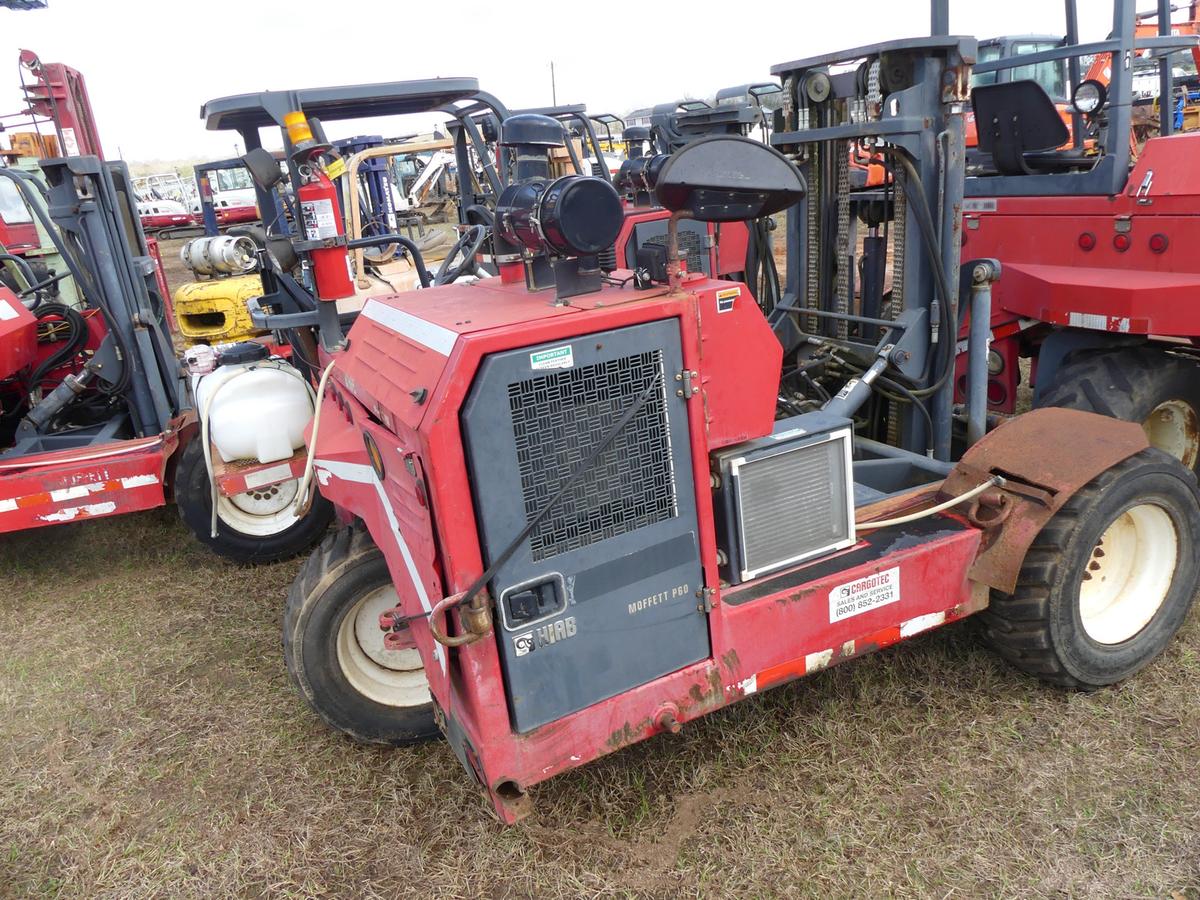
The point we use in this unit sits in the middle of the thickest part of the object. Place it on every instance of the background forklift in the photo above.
(1099, 283)
(583, 509)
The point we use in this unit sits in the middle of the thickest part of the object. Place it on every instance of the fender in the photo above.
(1045, 457)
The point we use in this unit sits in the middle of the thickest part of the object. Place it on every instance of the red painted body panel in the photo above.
(1048, 275)
(234, 215)
(421, 513)
(1066, 263)
(18, 238)
(165, 220)
(73, 485)
(18, 335)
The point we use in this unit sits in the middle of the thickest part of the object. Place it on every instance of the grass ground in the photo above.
(150, 745)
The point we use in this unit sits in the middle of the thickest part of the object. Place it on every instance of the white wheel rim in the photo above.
(1174, 428)
(390, 677)
(261, 512)
(1128, 574)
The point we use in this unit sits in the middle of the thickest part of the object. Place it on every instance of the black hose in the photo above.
(73, 346)
(932, 249)
(906, 396)
(22, 265)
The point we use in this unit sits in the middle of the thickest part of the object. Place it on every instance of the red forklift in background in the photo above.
(1099, 281)
(97, 417)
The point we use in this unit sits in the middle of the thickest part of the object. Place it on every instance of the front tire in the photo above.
(333, 646)
(1108, 581)
(255, 527)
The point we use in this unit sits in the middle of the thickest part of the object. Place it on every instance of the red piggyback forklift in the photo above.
(1094, 231)
(584, 508)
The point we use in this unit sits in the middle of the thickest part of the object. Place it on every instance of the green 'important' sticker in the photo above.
(554, 358)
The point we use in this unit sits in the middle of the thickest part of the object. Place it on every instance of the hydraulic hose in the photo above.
(915, 191)
(76, 341)
(304, 492)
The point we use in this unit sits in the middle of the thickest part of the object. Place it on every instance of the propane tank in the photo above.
(319, 216)
(256, 410)
(220, 255)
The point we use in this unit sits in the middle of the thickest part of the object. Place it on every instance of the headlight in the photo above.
(1089, 96)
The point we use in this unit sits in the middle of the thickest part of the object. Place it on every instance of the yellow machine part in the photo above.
(214, 312)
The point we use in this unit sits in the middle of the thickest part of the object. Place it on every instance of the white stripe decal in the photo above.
(427, 334)
(134, 481)
(74, 493)
(921, 623)
(814, 662)
(8, 505)
(363, 474)
(72, 512)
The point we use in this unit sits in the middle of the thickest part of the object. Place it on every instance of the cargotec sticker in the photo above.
(726, 299)
(554, 358)
(862, 594)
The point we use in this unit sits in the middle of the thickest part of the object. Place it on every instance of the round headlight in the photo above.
(1089, 96)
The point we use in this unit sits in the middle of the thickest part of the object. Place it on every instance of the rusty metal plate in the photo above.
(1045, 456)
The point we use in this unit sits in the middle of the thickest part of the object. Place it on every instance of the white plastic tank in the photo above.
(256, 411)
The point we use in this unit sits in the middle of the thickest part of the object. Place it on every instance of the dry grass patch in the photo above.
(150, 745)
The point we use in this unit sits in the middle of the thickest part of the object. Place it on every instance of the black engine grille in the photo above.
(691, 243)
(559, 418)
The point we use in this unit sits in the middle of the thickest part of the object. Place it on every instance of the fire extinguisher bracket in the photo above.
(323, 244)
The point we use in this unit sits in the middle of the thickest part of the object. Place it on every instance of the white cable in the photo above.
(300, 504)
(132, 447)
(994, 481)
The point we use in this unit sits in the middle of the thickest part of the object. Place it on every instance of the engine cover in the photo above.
(602, 596)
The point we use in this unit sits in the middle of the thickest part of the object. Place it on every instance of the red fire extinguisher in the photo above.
(321, 222)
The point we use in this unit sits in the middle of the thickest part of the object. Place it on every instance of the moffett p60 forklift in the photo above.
(584, 509)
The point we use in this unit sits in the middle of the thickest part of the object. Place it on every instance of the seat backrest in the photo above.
(1014, 118)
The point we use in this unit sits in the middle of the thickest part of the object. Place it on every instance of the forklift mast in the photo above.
(902, 105)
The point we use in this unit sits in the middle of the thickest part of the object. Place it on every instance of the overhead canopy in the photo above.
(242, 112)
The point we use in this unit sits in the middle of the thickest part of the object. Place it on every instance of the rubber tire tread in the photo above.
(193, 497)
(1037, 627)
(346, 565)
(1125, 384)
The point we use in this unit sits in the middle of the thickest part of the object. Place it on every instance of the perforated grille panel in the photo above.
(691, 243)
(560, 418)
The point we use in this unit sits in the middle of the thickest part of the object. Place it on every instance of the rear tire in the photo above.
(256, 527)
(1157, 389)
(333, 646)
(1108, 581)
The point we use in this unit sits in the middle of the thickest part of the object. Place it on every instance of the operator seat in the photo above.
(1019, 125)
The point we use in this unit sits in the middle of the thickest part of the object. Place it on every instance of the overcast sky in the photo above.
(150, 64)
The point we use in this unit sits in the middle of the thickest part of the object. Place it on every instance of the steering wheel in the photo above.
(467, 246)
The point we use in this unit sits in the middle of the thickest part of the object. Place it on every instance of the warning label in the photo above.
(558, 358)
(319, 220)
(858, 596)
